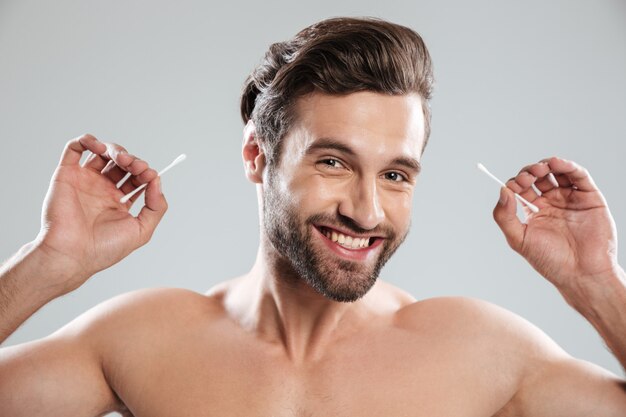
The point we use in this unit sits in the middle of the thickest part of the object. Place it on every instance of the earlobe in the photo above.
(253, 155)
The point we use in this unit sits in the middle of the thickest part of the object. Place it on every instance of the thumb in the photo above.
(153, 210)
(505, 215)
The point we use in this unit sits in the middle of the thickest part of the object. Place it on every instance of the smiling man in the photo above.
(349, 182)
(337, 119)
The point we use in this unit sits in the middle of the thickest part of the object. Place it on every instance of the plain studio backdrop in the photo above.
(515, 82)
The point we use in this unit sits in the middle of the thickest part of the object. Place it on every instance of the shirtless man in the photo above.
(337, 120)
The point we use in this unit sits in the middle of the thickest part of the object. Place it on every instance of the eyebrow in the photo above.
(330, 143)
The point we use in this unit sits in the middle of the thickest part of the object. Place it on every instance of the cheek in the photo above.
(315, 191)
(397, 208)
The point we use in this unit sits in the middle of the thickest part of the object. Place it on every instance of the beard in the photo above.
(335, 278)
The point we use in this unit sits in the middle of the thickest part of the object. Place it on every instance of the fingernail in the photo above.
(503, 196)
(159, 182)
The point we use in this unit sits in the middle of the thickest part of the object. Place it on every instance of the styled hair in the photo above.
(335, 56)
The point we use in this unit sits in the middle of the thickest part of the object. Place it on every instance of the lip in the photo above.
(360, 254)
(346, 232)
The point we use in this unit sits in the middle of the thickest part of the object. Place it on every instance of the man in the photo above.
(336, 122)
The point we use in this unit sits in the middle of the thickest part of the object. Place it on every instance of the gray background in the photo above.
(516, 82)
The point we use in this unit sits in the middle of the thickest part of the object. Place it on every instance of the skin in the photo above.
(266, 343)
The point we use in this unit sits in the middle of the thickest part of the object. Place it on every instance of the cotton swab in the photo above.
(176, 161)
(530, 205)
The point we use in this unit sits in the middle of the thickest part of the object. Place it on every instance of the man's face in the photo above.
(338, 204)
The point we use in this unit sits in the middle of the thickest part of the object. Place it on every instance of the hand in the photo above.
(572, 240)
(84, 227)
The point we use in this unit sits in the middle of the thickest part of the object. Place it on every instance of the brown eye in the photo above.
(333, 163)
(394, 176)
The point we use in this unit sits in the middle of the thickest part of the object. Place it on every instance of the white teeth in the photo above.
(346, 241)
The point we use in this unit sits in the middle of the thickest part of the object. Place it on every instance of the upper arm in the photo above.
(553, 383)
(544, 379)
(568, 387)
(65, 373)
(57, 375)
(78, 370)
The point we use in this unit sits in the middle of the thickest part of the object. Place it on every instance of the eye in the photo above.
(332, 163)
(394, 176)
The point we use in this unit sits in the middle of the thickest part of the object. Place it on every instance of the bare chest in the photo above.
(387, 376)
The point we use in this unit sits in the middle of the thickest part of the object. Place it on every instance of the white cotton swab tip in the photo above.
(176, 161)
(530, 205)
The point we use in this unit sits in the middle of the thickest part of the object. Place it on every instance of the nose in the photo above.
(362, 204)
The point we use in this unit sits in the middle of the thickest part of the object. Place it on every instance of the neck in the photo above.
(273, 301)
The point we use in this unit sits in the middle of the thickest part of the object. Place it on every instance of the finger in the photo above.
(113, 172)
(134, 197)
(562, 180)
(143, 175)
(115, 163)
(118, 154)
(544, 179)
(539, 169)
(146, 176)
(74, 149)
(119, 177)
(522, 185)
(513, 185)
(107, 167)
(576, 174)
(116, 172)
(505, 215)
(135, 182)
(89, 155)
(121, 182)
(545, 184)
(525, 180)
(153, 210)
(110, 152)
(137, 166)
(95, 162)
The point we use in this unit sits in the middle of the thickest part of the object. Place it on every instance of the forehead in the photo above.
(369, 122)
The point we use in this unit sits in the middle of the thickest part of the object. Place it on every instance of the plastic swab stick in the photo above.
(530, 205)
(176, 161)
(123, 180)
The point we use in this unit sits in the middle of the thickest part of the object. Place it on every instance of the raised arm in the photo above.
(84, 229)
(572, 242)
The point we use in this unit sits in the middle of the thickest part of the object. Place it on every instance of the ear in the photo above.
(253, 155)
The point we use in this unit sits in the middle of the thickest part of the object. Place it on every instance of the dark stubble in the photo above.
(334, 278)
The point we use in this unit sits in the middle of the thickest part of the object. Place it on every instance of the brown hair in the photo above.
(334, 56)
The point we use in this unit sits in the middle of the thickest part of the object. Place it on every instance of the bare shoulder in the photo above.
(479, 319)
(543, 378)
(133, 323)
(72, 369)
(143, 308)
(166, 300)
(500, 345)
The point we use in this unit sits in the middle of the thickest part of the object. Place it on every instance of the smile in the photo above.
(345, 240)
(353, 248)
(347, 244)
